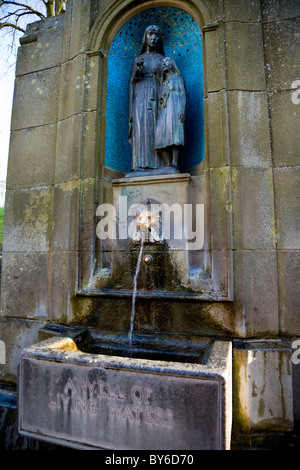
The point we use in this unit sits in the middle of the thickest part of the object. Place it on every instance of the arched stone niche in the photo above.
(108, 42)
(182, 42)
(208, 187)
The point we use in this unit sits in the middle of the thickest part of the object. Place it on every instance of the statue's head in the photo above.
(169, 65)
(149, 34)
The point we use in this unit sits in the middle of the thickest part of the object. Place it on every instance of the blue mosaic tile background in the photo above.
(182, 41)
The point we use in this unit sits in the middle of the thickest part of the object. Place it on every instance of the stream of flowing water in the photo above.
(134, 293)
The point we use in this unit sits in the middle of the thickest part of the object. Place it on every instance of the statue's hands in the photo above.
(181, 117)
(139, 66)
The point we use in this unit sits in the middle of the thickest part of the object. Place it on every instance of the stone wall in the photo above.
(249, 179)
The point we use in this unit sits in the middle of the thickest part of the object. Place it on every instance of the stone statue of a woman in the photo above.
(145, 82)
(169, 137)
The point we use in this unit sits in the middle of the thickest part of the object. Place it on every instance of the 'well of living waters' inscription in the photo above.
(86, 400)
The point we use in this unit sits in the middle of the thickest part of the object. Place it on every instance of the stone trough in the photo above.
(98, 401)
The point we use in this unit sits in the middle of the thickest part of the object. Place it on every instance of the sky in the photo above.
(7, 74)
(9, 43)
(7, 79)
(6, 97)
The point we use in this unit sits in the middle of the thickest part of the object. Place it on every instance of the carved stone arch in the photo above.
(111, 22)
(106, 26)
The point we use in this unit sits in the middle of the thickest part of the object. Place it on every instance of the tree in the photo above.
(15, 15)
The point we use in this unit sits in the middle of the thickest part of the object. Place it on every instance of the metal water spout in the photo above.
(148, 223)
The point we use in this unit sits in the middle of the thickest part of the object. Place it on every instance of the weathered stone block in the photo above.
(282, 43)
(89, 161)
(215, 59)
(216, 127)
(68, 149)
(32, 157)
(199, 194)
(245, 11)
(45, 51)
(25, 284)
(289, 291)
(287, 196)
(91, 81)
(245, 56)
(253, 208)
(220, 208)
(284, 119)
(255, 279)
(63, 285)
(263, 387)
(87, 238)
(80, 27)
(222, 275)
(39, 93)
(28, 220)
(275, 10)
(71, 96)
(95, 401)
(66, 216)
(249, 132)
(87, 215)
(17, 334)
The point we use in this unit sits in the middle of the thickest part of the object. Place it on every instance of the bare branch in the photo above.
(23, 5)
(58, 6)
(11, 25)
(18, 13)
(19, 9)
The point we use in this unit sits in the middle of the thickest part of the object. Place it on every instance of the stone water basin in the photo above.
(89, 400)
